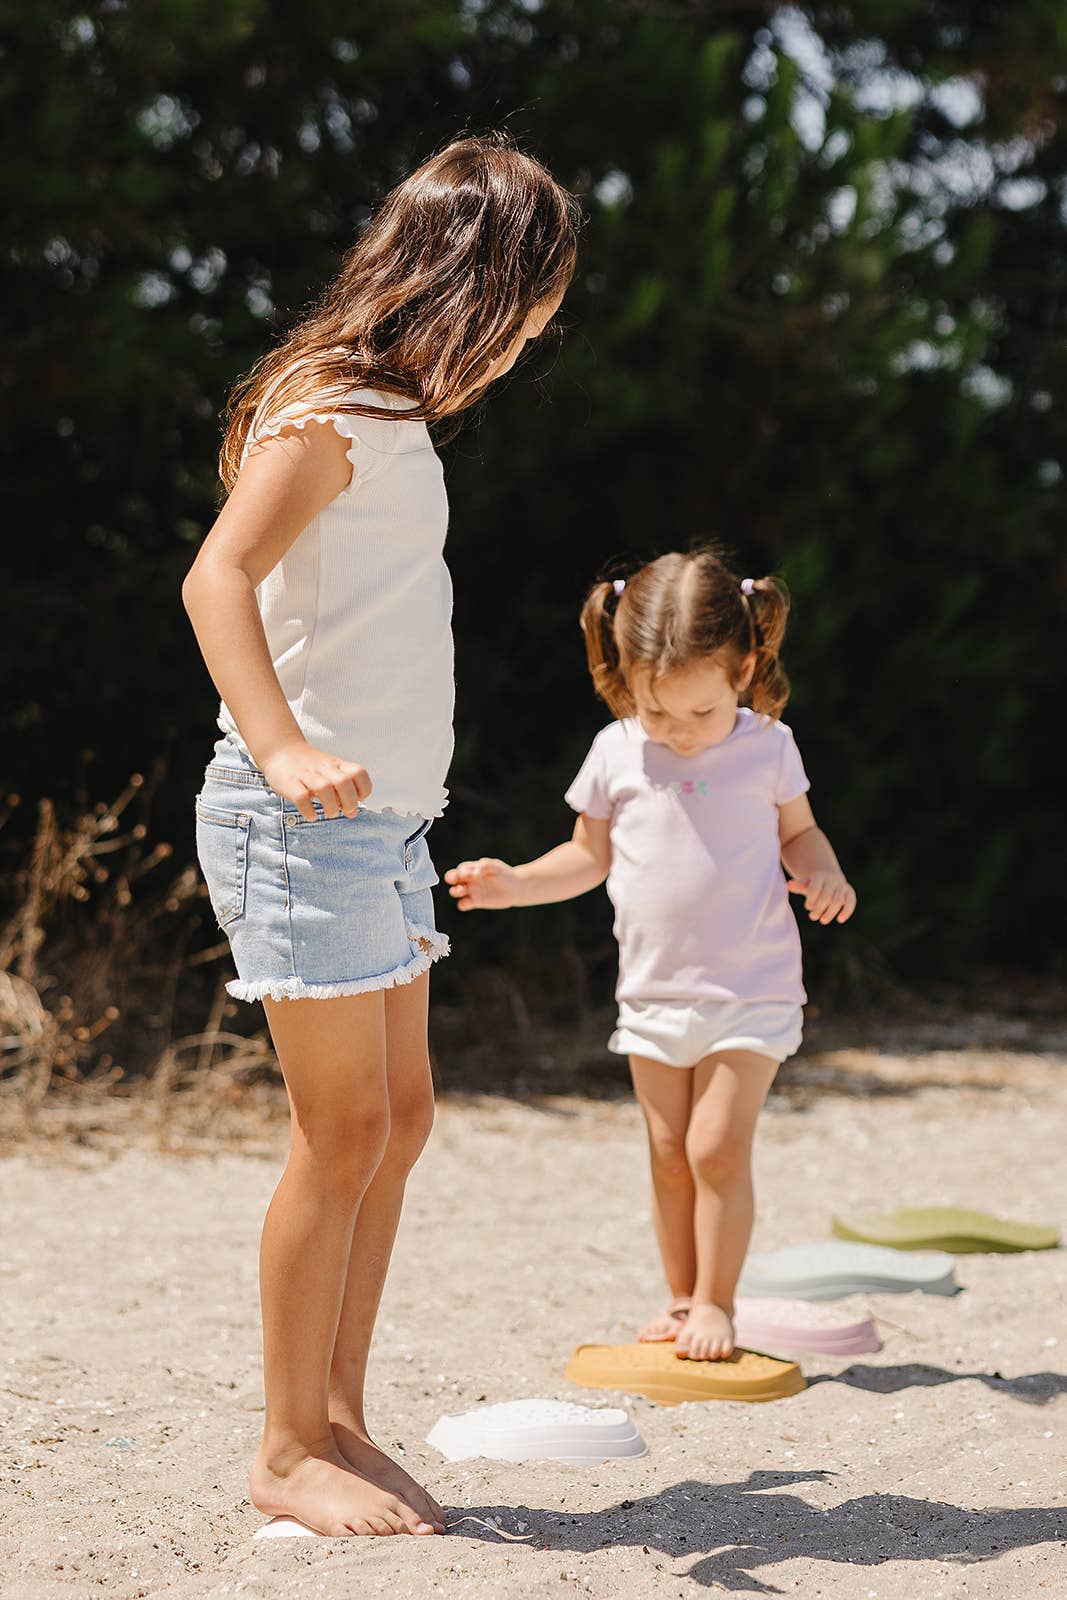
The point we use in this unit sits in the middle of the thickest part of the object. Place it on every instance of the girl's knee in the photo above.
(716, 1155)
(410, 1125)
(670, 1163)
(346, 1146)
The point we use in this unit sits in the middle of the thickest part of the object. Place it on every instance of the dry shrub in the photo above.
(99, 974)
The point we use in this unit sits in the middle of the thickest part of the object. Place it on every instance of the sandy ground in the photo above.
(130, 1392)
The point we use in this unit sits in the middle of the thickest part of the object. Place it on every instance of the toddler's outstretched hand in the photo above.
(485, 885)
(828, 896)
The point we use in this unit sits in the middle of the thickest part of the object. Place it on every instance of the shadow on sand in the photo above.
(1032, 1388)
(725, 1535)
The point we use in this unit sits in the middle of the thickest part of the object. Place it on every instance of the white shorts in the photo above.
(681, 1035)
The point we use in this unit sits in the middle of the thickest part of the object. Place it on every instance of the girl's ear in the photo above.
(748, 667)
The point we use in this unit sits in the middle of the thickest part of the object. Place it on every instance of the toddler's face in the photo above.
(692, 709)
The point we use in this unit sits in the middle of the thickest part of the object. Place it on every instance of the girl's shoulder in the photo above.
(397, 433)
(619, 740)
(769, 755)
(301, 392)
(371, 440)
(344, 407)
(750, 725)
(617, 753)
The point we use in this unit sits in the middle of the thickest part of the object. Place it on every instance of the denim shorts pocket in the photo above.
(222, 849)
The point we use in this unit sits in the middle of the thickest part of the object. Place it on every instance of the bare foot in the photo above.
(371, 1461)
(660, 1329)
(320, 1489)
(708, 1334)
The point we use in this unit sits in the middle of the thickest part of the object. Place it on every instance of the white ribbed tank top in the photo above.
(358, 612)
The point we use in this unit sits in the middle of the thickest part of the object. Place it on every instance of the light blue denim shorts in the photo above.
(341, 905)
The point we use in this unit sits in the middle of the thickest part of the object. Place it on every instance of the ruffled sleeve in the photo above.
(368, 439)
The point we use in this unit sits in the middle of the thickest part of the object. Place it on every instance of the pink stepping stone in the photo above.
(802, 1326)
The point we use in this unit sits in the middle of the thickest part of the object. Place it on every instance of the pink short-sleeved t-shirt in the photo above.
(701, 907)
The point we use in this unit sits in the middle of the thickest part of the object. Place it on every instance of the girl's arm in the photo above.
(568, 870)
(283, 485)
(814, 870)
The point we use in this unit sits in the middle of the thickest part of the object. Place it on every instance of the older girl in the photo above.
(688, 805)
(322, 605)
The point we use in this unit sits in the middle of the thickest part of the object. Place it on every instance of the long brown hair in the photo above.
(677, 610)
(436, 289)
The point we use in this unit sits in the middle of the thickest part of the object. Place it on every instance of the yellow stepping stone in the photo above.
(656, 1372)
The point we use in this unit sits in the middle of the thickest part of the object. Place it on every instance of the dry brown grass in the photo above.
(101, 979)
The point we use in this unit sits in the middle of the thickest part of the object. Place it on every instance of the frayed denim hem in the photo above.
(434, 944)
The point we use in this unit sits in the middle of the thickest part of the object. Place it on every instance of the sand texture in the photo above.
(130, 1388)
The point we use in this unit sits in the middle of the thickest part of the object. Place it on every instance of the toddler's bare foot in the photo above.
(660, 1329)
(371, 1461)
(708, 1334)
(320, 1489)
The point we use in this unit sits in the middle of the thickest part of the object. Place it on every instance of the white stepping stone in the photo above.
(538, 1430)
(286, 1528)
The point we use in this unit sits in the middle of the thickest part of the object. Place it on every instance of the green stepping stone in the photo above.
(946, 1228)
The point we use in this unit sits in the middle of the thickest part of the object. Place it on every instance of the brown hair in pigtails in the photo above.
(767, 601)
(680, 609)
(598, 625)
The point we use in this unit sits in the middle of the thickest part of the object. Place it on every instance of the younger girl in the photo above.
(688, 805)
(322, 604)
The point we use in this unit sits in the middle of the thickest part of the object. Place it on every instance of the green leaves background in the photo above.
(819, 314)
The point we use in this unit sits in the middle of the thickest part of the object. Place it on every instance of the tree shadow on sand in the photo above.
(1032, 1388)
(722, 1535)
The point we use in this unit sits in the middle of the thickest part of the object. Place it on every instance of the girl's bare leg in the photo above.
(728, 1094)
(410, 1089)
(665, 1096)
(333, 1058)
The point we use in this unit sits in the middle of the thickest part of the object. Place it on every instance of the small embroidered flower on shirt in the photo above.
(687, 786)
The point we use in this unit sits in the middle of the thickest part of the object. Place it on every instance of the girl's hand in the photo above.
(303, 774)
(485, 885)
(828, 896)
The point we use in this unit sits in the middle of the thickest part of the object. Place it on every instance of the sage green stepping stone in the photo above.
(946, 1228)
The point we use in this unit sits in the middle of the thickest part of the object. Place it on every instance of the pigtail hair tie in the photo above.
(619, 585)
(747, 585)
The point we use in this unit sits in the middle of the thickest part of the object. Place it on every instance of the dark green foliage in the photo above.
(839, 349)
